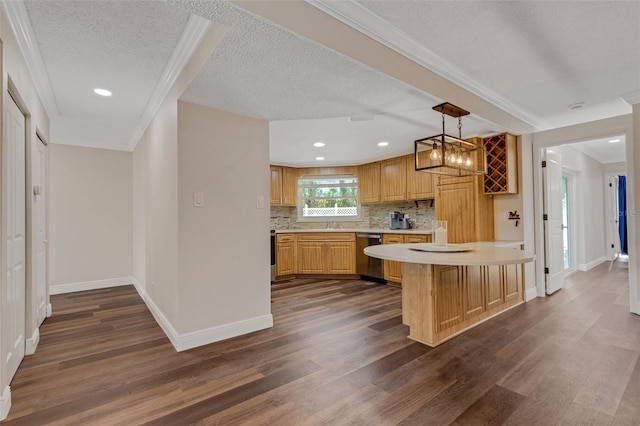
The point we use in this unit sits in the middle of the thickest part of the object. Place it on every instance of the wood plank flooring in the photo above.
(338, 355)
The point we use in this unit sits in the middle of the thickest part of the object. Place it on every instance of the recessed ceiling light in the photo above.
(318, 144)
(577, 105)
(319, 158)
(614, 141)
(102, 92)
(383, 143)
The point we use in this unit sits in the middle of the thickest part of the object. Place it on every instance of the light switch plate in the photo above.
(260, 202)
(198, 199)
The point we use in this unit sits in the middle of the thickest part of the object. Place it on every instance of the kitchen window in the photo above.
(332, 198)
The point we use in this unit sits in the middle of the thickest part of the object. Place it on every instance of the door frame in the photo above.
(599, 129)
(572, 192)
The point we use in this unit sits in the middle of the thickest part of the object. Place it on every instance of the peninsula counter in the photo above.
(445, 294)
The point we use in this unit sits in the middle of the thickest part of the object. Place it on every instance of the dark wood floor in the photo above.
(338, 354)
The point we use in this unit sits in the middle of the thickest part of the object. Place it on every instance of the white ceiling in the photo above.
(530, 58)
(604, 151)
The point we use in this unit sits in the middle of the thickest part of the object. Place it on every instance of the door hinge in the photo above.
(611, 245)
(546, 270)
(544, 163)
(610, 184)
(545, 217)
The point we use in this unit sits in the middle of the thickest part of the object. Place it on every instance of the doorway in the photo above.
(568, 222)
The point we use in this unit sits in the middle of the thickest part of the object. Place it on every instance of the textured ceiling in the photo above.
(122, 46)
(540, 56)
(263, 71)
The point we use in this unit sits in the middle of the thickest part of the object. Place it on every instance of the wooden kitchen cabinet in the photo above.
(420, 185)
(393, 269)
(327, 253)
(276, 186)
(469, 213)
(502, 164)
(285, 254)
(393, 179)
(369, 183)
(289, 186)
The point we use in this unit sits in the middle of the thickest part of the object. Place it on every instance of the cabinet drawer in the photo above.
(415, 238)
(285, 238)
(392, 239)
(328, 236)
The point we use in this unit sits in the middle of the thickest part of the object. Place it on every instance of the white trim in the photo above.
(190, 39)
(32, 342)
(89, 285)
(73, 142)
(5, 403)
(49, 309)
(222, 332)
(16, 14)
(365, 21)
(632, 98)
(182, 342)
(588, 266)
(531, 294)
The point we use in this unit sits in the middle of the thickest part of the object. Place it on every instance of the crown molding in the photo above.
(16, 14)
(363, 20)
(102, 145)
(632, 98)
(190, 39)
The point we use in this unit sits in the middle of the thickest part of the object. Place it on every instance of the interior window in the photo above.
(328, 198)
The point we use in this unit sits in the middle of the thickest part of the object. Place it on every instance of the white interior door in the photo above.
(554, 254)
(40, 208)
(13, 321)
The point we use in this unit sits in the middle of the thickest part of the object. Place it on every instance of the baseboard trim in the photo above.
(584, 267)
(5, 403)
(32, 342)
(635, 308)
(183, 342)
(222, 332)
(89, 285)
(530, 294)
(49, 310)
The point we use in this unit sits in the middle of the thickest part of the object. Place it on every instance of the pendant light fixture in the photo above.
(449, 155)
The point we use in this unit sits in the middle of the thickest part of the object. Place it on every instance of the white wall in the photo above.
(91, 215)
(589, 205)
(224, 246)
(505, 203)
(617, 168)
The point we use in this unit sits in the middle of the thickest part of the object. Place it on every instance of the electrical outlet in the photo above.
(503, 217)
(198, 199)
(260, 202)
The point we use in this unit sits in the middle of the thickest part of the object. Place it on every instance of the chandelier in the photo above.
(449, 155)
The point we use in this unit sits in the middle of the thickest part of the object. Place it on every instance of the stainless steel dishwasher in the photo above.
(368, 267)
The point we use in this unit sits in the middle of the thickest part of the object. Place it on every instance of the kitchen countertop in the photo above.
(358, 230)
(481, 253)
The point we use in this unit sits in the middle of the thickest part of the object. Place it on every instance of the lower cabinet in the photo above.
(285, 254)
(327, 253)
(393, 269)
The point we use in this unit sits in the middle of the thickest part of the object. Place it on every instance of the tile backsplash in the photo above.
(371, 216)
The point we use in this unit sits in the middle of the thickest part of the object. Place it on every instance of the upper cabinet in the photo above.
(284, 186)
(502, 164)
(420, 185)
(276, 185)
(369, 183)
(393, 179)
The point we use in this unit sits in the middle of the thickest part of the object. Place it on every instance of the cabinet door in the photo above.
(455, 203)
(289, 186)
(369, 183)
(276, 185)
(474, 302)
(341, 257)
(310, 257)
(285, 254)
(494, 286)
(393, 179)
(513, 283)
(420, 185)
(448, 301)
(393, 269)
